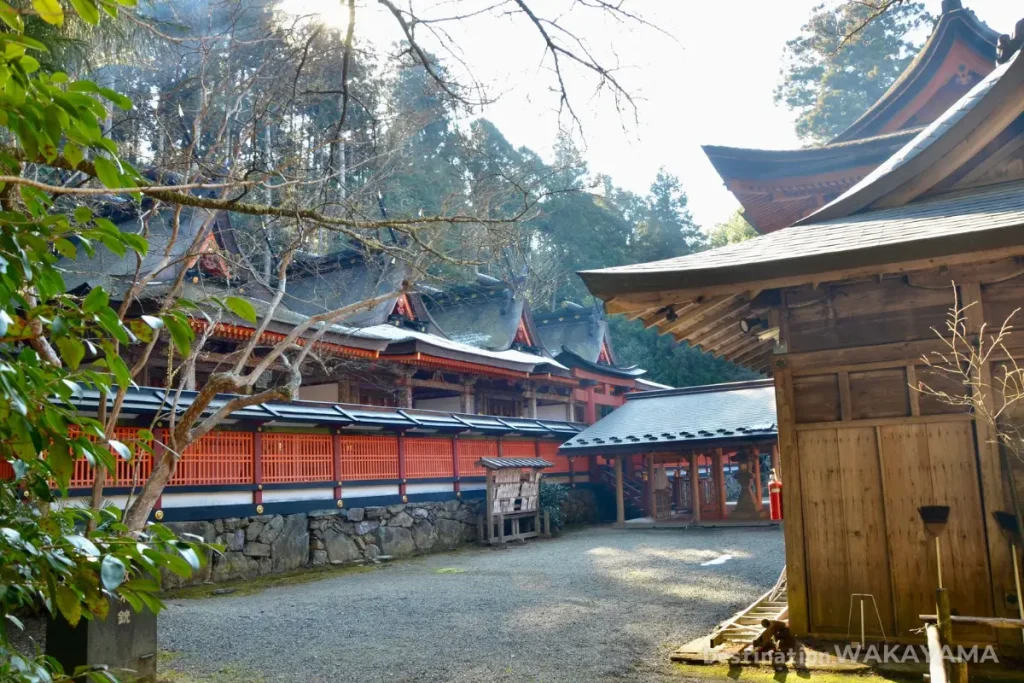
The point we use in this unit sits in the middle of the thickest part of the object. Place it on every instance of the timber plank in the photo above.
(789, 453)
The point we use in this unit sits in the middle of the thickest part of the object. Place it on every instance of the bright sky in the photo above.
(709, 81)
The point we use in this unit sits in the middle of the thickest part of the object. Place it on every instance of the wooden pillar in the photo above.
(345, 391)
(336, 456)
(793, 527)
(405, 390)
(572, 472)
(489, 507)
(589, 408)
(570, 411)
(468, 398)
(775, 460)
(401, 468)
(652, 499)
(257, 466)
(457, 484)
(719, 465)
(532, 405)
(620, 505)
(695, 486)
(756, 453)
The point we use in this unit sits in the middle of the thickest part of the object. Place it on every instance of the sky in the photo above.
(704, 72)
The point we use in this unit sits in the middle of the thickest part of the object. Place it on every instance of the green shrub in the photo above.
(553, 498)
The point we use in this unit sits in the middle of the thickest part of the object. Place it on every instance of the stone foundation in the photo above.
(268, 544)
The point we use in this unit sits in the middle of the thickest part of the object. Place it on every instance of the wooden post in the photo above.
(257, 466)
(572, 472)
(457, 484)
(405, 389)
(652, 498)
(336, 455)
(793, 527)
(695, 486)
(468, 399)
(758, 493)
(401, 467)
(533, 403)
(775, 460)
(620, 505)
(957, 668)
(489, 503)
(936, 666)
(719, 465)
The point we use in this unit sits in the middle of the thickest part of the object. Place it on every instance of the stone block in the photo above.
(272, 529)
(290, 550)
(366, 527)
(401, 519)
(424, 536)
(395, 540)
(449, 532)
(235, 540)
(256, 549)
(356, 514)
(252, 531)
(421, 513)
(375, 512)
(340, 548)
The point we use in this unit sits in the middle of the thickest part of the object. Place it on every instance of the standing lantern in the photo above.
(775, 498)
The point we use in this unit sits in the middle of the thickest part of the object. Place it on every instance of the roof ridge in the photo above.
(703, 389)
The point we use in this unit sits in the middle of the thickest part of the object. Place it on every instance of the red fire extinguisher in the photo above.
(775, 499)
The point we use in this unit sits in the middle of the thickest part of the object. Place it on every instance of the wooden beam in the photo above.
(1006, 110)
(695, 487)
(694, 317)
(739, 347)
(990, 162)
(724, 326)
(845, 407)
(724, 341)
(793, 529)
(733, 311)
(620, 505)
(652, 498)
(624, 303)
(762, 347)
(990, 467)
(912, 393)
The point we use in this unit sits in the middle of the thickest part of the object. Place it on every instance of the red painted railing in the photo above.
(224, 458)
(297, 457)
(471, 450)
(425, 458)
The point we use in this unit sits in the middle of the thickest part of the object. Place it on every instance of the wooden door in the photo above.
(844, 531)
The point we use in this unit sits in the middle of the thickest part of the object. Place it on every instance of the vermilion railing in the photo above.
(297, 457)
(217, 458)
(127, 472)
(519, 449)
(549, 452)
(229, 458)
(369, 457)
(471, 450)
(428, 458)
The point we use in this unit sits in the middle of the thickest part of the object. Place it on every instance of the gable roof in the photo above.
(581, 330)
(682, 418)
(956, 26)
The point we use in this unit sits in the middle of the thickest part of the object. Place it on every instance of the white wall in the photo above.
(319, 392)
(552, 412)
(449, 404)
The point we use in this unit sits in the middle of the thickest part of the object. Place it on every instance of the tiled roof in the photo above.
(512, 463)
(153, 400)
(971, 220)
(682, 418)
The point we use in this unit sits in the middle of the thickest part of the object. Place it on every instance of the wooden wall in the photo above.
(861, 451)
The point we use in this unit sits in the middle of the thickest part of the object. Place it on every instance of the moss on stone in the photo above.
(227, 589)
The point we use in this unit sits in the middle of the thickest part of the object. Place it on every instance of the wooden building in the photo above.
(670, 451)
(840, 308)
(778, 187)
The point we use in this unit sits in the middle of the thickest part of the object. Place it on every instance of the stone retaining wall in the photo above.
(267, 544)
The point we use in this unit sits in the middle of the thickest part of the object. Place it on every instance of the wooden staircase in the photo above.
(746, 626)
(632, 491)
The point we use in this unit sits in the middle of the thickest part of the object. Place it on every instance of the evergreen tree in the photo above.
(839, 65)
(736, 229)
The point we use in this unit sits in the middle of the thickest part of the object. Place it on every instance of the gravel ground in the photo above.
(594, 605)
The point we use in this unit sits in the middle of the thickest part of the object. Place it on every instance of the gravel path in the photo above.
(593, 605)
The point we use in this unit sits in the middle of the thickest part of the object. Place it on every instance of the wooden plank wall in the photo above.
(864, 451)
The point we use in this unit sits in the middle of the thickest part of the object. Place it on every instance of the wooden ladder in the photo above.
(744, 627)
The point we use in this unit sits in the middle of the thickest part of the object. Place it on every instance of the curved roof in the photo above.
(485, 316)
(955, 25)
(578, 329)
(683, 418)
(758, 165)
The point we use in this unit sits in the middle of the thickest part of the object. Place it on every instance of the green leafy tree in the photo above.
(844, 59)
(668, 361)
(736, 229)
